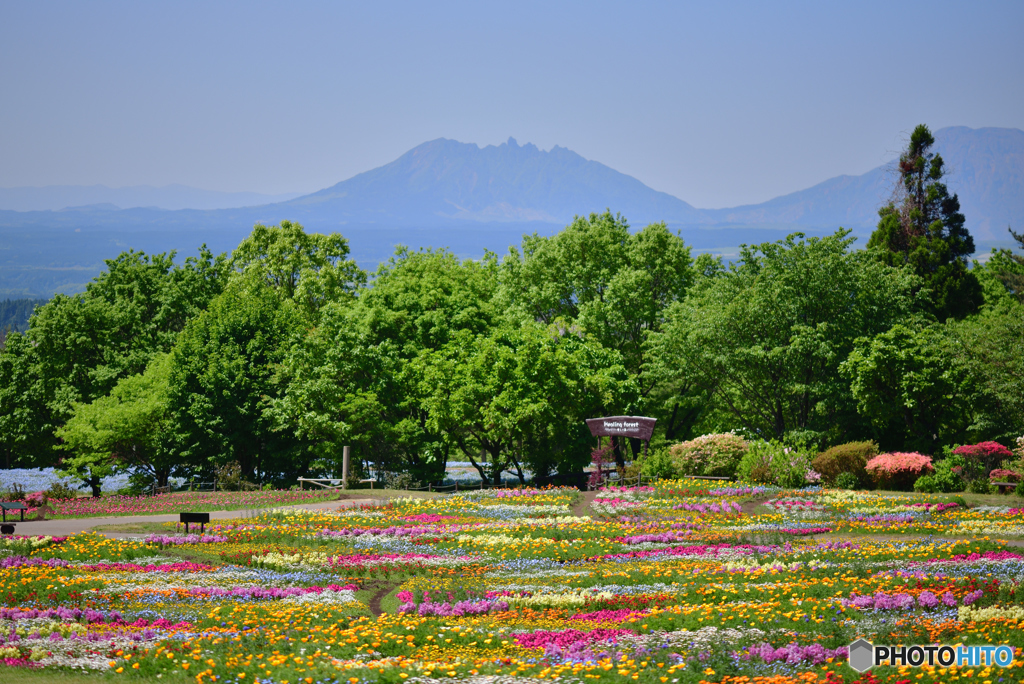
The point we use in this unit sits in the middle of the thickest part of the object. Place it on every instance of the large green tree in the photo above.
(614, 283)
(922, 227)
(907, 386)
(130, 428)
(764, 339)
(990, 349)
(79, 347)
(222, 379)
(520, 396)
(310, 269)
(351, 380)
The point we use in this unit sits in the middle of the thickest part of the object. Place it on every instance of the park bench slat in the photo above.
(12, 506)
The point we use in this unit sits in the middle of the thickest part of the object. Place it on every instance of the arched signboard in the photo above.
(637, 427)
(632, 427)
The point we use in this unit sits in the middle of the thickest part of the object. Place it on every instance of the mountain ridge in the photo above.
(468, 198)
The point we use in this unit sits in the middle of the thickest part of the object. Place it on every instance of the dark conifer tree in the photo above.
(922, 226)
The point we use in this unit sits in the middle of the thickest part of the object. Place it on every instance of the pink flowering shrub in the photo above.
(1004, 475)
(984, 456)
(35, 499)
(898, 470)
(712, 455)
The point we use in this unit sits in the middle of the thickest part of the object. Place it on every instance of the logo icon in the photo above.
(862, 655)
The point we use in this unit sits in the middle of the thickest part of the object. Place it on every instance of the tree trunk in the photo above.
(94, 483)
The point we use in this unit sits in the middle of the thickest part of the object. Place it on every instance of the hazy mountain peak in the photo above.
(443, 180)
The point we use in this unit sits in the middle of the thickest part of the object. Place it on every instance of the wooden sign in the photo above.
(638, 427)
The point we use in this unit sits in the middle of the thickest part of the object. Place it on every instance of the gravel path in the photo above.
(67, 527)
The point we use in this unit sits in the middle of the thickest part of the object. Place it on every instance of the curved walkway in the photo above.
(70, 526)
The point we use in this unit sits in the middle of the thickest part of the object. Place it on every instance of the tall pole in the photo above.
(344, 467)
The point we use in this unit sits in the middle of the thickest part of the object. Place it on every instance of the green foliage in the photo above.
(616, 286)
(1010, 269)
(130, 428)
(765, 339)
(659, 464)
(947, 477)
(352, 380)
(923, 228)
(308, 268)
(989, 350)
(77, 348)
(58, 491)
(222, 378)
(773, 463)
(906, 386)
(845, 458)
(231, 478)
(520, 395)
(712, 455)
(847, 481)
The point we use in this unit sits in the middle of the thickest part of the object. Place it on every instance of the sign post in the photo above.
(635, 427)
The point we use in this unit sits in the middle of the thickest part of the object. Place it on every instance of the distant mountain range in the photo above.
(93, 197)
(447, 193)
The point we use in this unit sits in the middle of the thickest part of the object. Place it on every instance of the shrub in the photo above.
(847, 481)
(35, 499)
(899, 470)
(713, 455)
(984, 456)
(659, 463)
(15, 493)
(231, 479)
(1004, 475)
(400, 481)
(851, 458)
(776, 464)
(60, 491)
(947, 477)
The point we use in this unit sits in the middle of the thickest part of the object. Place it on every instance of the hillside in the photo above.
(445, 193)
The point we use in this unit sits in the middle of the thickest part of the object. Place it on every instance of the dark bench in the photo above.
(1004, 487)
(201, 518)
(13, 506)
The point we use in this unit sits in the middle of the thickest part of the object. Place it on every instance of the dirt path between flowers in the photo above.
(582, 507)
(383, 589)
(750, 505)
(70, 526)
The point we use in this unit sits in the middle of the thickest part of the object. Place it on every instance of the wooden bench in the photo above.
(1004, 487)
(13, 506)
(201, 518)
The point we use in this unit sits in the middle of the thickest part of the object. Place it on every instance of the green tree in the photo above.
(923, 227)
(764, 339)
(520, 395)
(308, 268)
(1002, 276)
(615, 284)
(907, 386)
(222, 379)
(81, 345)
(990, 349)
(130, 428)
(26, 436)
(351, 379)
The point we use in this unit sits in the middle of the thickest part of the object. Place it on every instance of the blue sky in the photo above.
(718, 103)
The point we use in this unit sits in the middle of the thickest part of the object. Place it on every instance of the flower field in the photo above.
(677, 583)
(118, 505)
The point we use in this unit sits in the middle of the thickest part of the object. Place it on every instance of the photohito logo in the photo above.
(864, 655)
